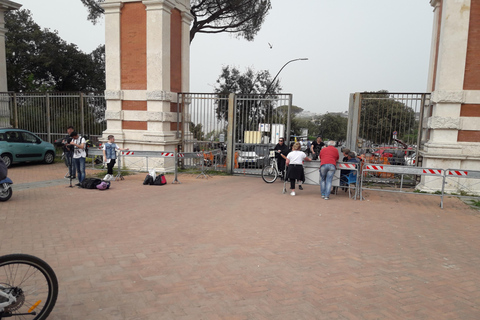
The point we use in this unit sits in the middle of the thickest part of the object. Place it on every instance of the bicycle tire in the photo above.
(269, 174)
(37, 281)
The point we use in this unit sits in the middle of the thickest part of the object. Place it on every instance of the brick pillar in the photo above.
(145, 51)
(453, 124)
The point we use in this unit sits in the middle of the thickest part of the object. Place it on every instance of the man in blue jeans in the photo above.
(79, 155)
(328, 161)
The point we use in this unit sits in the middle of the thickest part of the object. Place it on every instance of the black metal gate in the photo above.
(243, 127)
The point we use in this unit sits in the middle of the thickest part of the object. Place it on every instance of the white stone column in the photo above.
(436, 4)
(159, 95)
(448, 95)
(446, 76)
(5, 6)
(113, 92)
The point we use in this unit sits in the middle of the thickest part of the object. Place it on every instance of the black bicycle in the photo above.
(28, 287)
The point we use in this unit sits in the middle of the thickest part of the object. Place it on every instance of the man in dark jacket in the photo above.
(3, 170)
(281, 152)
(68, 154)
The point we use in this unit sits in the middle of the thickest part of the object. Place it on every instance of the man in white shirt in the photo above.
(79, 155)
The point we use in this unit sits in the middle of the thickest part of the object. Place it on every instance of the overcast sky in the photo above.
(351, 45)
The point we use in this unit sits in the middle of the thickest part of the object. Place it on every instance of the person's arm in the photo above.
(104, 153)
(287, 162)
(81, 145)
(307, 159)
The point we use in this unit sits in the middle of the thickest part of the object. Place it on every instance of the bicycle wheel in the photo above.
(269, 174)
(33, 284)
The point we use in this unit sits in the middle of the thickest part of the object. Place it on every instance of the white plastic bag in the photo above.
(152, 173)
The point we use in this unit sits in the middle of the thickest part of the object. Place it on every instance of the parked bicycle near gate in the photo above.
(270, 172)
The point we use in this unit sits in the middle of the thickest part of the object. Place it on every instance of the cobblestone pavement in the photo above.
(237, 248)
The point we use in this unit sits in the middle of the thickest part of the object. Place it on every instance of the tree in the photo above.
(39, 60)
(241, 17)
(333, 127)
(381, 115)
(249, 112)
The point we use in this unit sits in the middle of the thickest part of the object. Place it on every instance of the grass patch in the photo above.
(474, 203)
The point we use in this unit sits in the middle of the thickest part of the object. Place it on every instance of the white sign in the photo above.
(264, 127)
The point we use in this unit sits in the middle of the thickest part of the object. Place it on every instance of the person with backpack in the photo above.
(110, 156)
(79, 155)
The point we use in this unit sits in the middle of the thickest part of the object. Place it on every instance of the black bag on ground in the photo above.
(160, 180)
(148, 180)
(90, 183)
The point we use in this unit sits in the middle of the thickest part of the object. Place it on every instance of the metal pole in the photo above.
(175, 179)
(288, 119)
(15, 106)
(231, 134)
(443, 187)
(357, 107)
(48, 118)
(420, 129)
(82, 115)
(351, 109)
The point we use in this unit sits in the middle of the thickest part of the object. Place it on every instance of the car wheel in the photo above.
(49, 157)
(7, 159)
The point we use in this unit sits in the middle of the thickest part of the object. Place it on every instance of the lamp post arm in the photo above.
(278, 73)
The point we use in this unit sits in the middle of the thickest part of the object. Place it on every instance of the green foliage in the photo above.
(333, 127)
(39, 60)
(475, 203)
(249, 112)
(197, 131)
(241, 17)
(381, 115)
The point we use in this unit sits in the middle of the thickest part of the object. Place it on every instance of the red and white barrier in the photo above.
(346, 166)
(457, 173)
(433, 171)
(374, 168)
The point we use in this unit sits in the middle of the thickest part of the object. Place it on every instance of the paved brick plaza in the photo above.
(237, 248)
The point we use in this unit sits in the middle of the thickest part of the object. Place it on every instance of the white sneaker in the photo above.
(292, 193)
(107, 177)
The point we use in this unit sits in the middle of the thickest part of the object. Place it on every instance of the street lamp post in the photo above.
(290, 102)
(275, 78)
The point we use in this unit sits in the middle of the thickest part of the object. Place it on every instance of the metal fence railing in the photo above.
(379, 120)
(49, 114)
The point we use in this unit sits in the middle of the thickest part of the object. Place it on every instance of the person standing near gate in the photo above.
(110, 156)
(295, 166)
(316, 147)
(281, 152)
(328, 162)
(68, 154)
(79, 155)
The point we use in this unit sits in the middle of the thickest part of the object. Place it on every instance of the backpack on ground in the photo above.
(148, 180)
(90, 183)
(160, 180)
(104, 185)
